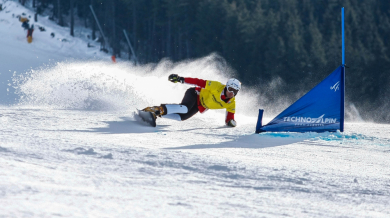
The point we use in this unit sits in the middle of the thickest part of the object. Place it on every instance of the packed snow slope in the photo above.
(70, 145)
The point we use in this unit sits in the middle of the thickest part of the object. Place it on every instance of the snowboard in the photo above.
(29, 34)
(147, 117)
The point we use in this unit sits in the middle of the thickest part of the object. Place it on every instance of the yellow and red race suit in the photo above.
(211, 96)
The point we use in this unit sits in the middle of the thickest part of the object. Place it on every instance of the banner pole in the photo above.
(342, 105)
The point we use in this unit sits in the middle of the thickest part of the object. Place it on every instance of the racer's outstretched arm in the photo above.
(175, 78)
(230, 119)
(192, 81)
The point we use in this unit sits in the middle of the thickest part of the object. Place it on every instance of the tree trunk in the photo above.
(59, 14)
(169, 38)
(58, 11)
(162, 42)
(150, 40)
(114, 40)
(180, 45)
(71, 18)
(188, 48)
(33, 3)
(186, 35)
(86, 9)
(106, 21)
(154, 43)
(93, 25)
(129, 50)
(135, 44)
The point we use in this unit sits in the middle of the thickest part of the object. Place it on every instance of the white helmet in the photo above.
(234, 83)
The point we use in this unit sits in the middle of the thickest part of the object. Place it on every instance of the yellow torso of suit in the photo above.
(210, 97)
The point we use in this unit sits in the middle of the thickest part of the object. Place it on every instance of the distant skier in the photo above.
(206, 95)
(26, 26)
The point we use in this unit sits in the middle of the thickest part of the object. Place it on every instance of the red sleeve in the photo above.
(229, 116)
(195, 81)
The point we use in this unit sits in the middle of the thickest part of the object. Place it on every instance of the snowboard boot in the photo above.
(155, 110)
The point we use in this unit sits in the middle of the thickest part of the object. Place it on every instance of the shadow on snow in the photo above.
(247, 141)
(127, 125)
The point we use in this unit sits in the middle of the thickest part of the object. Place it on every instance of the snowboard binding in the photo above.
(150, 114)
(157, 111)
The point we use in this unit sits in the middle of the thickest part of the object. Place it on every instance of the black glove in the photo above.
(232, 123)
(176, 78)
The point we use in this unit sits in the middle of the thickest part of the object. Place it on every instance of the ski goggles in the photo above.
(231, 89)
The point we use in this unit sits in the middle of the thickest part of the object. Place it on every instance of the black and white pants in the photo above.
(186, 109)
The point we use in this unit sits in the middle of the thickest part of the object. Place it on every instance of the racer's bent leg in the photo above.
(185, 110)
(190, 113)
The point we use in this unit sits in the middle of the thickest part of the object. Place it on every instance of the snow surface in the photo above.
(71, 146)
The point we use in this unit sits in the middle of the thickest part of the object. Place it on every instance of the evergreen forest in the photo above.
(293, 44)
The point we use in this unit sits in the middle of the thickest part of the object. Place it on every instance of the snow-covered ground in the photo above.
(71, 146)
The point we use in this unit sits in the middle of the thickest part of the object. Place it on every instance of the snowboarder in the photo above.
(30, 31)
(26, 26)
(206, 95)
